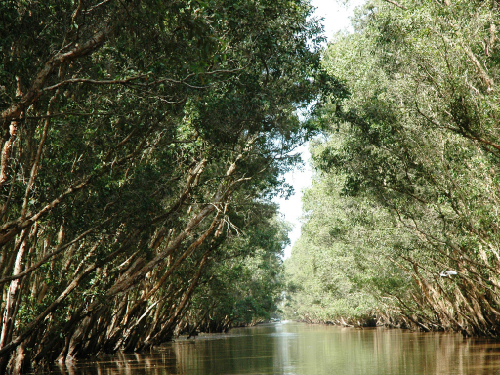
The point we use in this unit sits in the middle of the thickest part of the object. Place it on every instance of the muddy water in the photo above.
(294, 348)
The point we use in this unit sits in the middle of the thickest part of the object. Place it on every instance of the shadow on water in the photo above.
(294, 348)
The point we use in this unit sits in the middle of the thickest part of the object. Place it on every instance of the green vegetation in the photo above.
(407, 174)
(142, 142)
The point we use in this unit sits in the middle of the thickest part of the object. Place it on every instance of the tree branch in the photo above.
(396, 4)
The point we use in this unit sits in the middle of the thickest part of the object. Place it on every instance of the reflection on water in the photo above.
(294, 348)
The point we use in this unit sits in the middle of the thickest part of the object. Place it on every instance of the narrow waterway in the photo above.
(294, 348)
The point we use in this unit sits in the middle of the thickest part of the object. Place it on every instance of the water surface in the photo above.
(302, 349)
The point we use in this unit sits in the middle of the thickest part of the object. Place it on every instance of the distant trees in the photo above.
(412, 159)
(141, 143)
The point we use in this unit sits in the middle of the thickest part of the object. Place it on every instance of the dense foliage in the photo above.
(407, 185)
(142, 142)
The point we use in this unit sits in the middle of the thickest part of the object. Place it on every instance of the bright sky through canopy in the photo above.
(335, 17)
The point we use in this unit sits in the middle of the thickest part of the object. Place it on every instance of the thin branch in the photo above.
(396, 4)
(36, 88)
(94, 82)
(48, 256)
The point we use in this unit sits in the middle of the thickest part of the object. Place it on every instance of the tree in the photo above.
(135, 136)
(417, 137)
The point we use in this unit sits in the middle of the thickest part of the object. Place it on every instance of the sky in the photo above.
(335, 13)
(336, 17)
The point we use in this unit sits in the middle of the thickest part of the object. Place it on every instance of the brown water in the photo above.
(294, 348)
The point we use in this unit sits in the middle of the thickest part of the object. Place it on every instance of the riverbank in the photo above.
(365, 321)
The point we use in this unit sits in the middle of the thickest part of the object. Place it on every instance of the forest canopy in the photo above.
(402, 223)
(142, 142)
